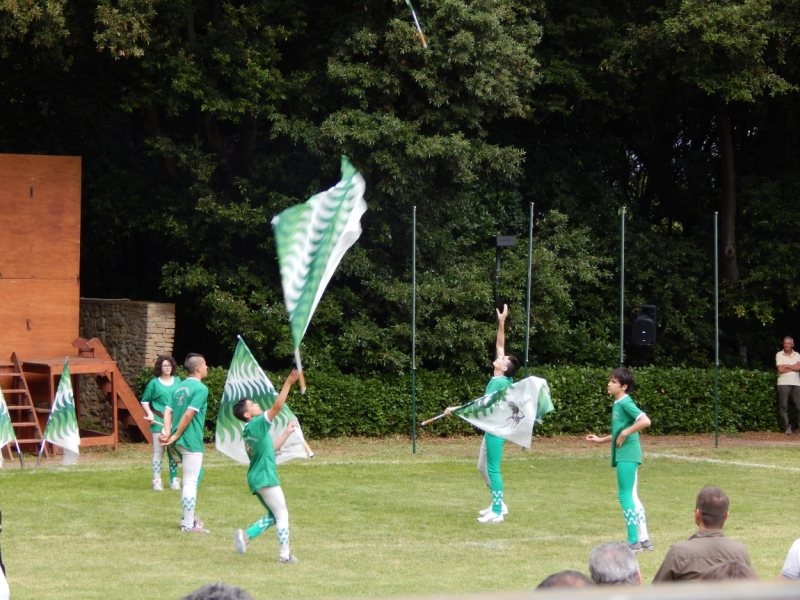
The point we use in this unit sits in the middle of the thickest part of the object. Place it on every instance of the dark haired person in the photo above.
(155, 398)
(262, 476)
(565, 579)
(627, 420)
(491, 453)
(729, 571)
(707, 548)
(184, 423)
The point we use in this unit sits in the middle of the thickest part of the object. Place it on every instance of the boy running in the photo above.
(491, 453)
(627, 420)
(262, 476)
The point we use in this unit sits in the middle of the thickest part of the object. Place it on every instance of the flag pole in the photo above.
(436, 418)
(41, 449)
(622, 290)
(300, 370)
(19, 453)
(528, 295)
(716, 331)
(414, 330)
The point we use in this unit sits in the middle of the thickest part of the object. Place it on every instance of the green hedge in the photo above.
(676, 400)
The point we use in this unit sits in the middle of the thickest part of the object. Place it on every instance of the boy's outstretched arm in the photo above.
(501, 331)
(285, 435)
(598, 440)
(281, 399)
(642, 422)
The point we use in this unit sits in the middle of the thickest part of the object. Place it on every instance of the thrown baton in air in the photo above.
(416, 22)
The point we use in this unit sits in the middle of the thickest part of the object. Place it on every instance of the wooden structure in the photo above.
(40, 212)
(40, 221)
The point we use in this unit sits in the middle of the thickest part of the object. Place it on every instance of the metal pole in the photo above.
(497, 265)
(622, 290)
(528, 294)
(414, 330)
(716, 329)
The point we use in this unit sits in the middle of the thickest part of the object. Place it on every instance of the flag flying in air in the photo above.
(62, 425)
(511, 412)
(246, 379)
(6, 429)
(311, 239)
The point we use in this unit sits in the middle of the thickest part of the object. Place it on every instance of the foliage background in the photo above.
(199, 120)
(677, 400)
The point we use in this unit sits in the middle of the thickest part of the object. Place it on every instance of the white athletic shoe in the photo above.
(175, 484)
(196, 528)
(183, 523)
(486, 511)
(491, 518)
(240, 541)
(288, 560)
(157, 487)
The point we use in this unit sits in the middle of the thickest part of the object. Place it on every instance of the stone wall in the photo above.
(134, 333)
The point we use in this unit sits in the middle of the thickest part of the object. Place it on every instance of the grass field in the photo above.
(368, 518)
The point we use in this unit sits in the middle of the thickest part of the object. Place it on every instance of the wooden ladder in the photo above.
(23, 413)
(130, 411)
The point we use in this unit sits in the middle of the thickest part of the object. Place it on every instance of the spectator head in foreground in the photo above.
(218, 591)
(613, 563)
(708, 547)
(566, 579)
(731, 570)
(711, 508)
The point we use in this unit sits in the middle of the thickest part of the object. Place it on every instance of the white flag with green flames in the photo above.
(246, 379)
(62, 425)
(510, 413)
(6, 428)
(311, 239)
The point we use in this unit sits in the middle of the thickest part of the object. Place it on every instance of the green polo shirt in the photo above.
(624, 413)
(261, 450)
(158, 395)
(192, 395)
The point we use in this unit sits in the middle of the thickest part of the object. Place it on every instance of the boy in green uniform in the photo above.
(262, 476)
(627, 420)
(184, 422)
(157, 395)
(491, 453)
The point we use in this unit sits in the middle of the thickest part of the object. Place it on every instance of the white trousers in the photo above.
(192, 463)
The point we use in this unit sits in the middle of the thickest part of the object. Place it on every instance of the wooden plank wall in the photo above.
(40, 219)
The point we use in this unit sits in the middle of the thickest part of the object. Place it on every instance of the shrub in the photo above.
(676, 400)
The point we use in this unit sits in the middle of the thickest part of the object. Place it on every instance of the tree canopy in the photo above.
(198, 121)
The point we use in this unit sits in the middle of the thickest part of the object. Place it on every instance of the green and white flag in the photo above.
(510, 413)
(246, 379)
(311, 239)
(6, 428)
(62, 425)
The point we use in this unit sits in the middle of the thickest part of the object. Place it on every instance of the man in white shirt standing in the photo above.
(787, 362)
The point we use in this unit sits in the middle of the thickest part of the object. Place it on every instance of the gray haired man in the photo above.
(614, 563)
(787, 363)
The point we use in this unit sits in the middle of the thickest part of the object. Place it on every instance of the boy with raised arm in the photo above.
(262, 476)
(627, 420)
(491, 452)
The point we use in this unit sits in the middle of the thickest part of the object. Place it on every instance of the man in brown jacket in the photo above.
(708, 547)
